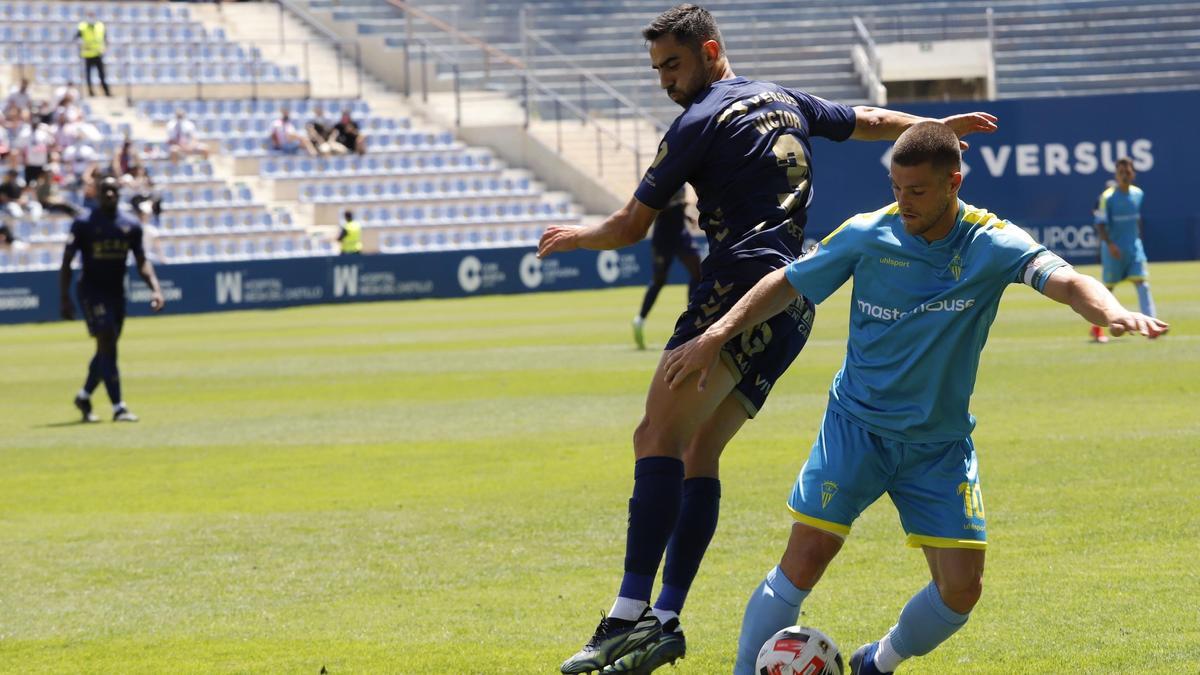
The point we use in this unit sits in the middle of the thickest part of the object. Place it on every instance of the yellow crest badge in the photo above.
(828, 490)
(956, 266)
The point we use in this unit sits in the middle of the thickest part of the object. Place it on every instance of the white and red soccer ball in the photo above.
(799, 650)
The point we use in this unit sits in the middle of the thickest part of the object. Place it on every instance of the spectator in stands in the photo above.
(10, 129)
(70, 89)
(34, 147)
(349, 135)
(19, 96)
(322, 135)
(91, 47)
(125, 158)
(350, 235)
(80, 150)
(142, 195)
(181, 137)
(49, 196)
(12, 194)
(286, 139)
(44, 113)
(68, 109)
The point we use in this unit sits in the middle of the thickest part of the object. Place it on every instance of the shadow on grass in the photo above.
(56, 425)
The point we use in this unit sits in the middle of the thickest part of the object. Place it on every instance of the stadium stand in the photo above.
(415, 189)
(1041, 48)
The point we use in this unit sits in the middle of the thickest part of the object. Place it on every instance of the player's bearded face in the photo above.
(683, 71)
(924, 196)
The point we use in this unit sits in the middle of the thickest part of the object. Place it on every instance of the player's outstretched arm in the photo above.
(881, 124)
(1091, 300)
(146, 271)
(770, 296)
(626, 227)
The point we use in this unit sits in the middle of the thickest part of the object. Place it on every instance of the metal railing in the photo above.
(343, 48)
(497, 64)
(868, 64)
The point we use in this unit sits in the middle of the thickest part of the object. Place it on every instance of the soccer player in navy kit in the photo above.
(744, 146)
(669, 240)
(103, 241)
(929, 271)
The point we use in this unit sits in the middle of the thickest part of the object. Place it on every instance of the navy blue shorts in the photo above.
(670, 246)
(103, 312)
(757, 357)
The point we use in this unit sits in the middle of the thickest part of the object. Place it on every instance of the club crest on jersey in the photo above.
(956, 265)
(828, 490)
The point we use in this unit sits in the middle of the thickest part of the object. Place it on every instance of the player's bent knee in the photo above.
(651, 439)
(961, 595)
(808, 553)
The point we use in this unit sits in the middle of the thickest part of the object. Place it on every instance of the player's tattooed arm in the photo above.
(1091, 300)
(626, 227)
(881, 124)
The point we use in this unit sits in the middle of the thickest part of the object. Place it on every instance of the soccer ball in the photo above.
(799, 650)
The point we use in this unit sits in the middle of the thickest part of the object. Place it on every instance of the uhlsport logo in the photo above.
(470, 274)
(828, 490)
(608, 264)
(531, 270)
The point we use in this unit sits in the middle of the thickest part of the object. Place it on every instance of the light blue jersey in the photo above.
(1120, 213)
(919, 315)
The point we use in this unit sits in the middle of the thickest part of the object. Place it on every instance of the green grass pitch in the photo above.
(440, 487)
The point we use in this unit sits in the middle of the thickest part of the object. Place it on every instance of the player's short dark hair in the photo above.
(928, 141)
(1123, 160)
(689, 24)
(348, 214)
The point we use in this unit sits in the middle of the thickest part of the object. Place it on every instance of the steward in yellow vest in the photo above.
(91, 47)
(351, 235)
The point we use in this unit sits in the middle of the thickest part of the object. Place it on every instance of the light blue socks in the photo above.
(925, 622)
(774, 605)
(1145, 302)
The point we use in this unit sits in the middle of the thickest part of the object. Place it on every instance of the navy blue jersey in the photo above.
(104, 242)
(744, 147)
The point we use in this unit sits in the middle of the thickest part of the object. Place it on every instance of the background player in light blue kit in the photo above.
(929, 271)
(743, 145)
(1119, 223)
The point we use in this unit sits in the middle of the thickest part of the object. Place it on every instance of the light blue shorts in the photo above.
(1131, 265)
(935, 486)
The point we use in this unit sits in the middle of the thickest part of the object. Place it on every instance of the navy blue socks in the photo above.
(697, 523)
(653, 511)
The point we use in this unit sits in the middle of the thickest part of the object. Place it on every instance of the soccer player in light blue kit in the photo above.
(928, 272)
(1119, 222)
(744, 145)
